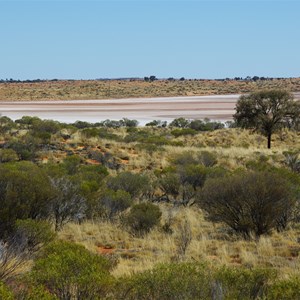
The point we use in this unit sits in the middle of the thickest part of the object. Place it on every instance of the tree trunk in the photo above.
(269, 140)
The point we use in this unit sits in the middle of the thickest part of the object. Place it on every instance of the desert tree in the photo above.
(66, 204)
(267, 111)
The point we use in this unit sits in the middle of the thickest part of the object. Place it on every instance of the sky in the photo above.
(169, 38)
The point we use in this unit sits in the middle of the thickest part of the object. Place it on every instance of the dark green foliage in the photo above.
(288, 289)
(242, 283)
(71, 164)
(134, 184)
(169, 183)
(69, 271)
(194, 175)
(251, 202)
(115, 202)
(292, 160)
(24, 193)
(188, 173)
(142, 218)
(7, 155)
(5, 293)
(6, 124)
(183, 131)
(129, 123)
(195, 125)
(180, 123)
(29, 290)
(82, 124)
(183, 281)
(25, 150)
(267, 111)
(157, 123)
(146, 137)
(207, 159)
(45, 126)
(33, 234)
(100, 133)
(205, 125)
(28, 237)
(89, 178)
(27, 120)
(66, 203)
(117, 124)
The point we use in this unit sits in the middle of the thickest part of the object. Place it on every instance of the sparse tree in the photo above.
(67, 204)
(267, 111)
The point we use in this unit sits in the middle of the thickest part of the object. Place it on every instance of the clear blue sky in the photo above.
(109, 39)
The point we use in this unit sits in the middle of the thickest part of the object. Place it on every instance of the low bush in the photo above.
(288, 289)
(142, 218)
(5, 293)
(69, 271)
(249, 202)
(134, 184)
(183, 131)
(177, 281)
(242, 283)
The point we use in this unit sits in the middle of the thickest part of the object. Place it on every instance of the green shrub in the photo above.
(7, 155)
(142, 218)
(31, 291)
(177, 281)
(134, 184)
(115, 202)
(180, 123)
(249, 202)
(24, 193)
(71, 164)
(5, 293)
(183, 131)
(288, 289)
(241, 283)
(69, 271)
(207, 159)
(33, 234)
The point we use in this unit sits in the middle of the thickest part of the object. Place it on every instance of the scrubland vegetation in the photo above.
(109, 89)
(187, 210)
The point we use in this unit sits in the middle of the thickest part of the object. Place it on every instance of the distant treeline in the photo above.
(150, 79)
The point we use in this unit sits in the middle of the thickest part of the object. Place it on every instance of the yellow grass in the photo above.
(210, 242)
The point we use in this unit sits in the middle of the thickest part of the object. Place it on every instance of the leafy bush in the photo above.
(134, 184)
(33, 234)
(207, 159)
(288, 289)
(142, 218)
(5, 293)
(24, 193)
(25, 150)
(71, 164)
(183, 131)
(69, 271)
(157, 123)
(32, 291)
(115, 201)
(242, 283)
(177, 281)
(7, 155)
(250, 202)
(66, 203)
(180, 123)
